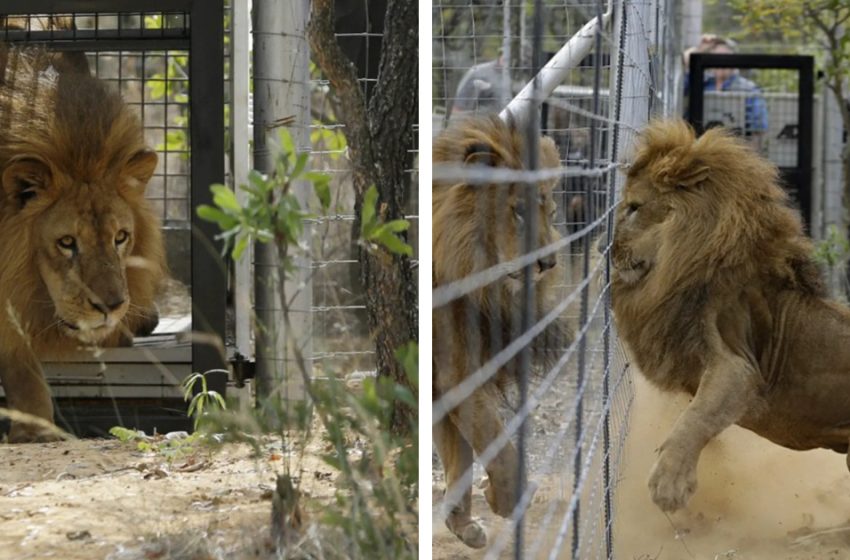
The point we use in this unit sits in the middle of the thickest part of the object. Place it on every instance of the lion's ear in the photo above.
(480, 153)
(693, 176)
(25, 178)
(141, 166)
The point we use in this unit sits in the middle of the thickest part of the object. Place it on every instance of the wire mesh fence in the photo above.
(342, 345)
(530, 400)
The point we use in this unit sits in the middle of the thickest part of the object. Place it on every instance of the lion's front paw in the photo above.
(20, 433)
(503, 498)
(469, 531)
(672, 482)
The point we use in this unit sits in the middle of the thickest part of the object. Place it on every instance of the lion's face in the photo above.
(83, 235)
(509, 233)
(638, 230)
(480, 225)
(82, 249)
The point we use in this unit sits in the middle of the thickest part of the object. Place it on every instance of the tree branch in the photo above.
(342, 74)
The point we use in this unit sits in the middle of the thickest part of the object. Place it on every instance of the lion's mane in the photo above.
(469, 232)
(729, 227)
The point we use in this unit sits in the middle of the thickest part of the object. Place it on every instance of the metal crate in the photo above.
(132, 44)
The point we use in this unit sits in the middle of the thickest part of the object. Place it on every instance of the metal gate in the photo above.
(772, 107)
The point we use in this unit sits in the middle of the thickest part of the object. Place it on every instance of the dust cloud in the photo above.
(755, 500)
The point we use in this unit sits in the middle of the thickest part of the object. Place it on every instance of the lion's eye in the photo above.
(633, 207)
(67, 242)
(121, 237)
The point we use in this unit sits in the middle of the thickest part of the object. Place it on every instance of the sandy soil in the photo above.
(755, 501)
(96, 499)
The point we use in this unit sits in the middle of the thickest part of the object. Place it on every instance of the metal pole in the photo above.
(281, 89)
(505, 57)
(241, 133)
(528, 318)
(556, 70)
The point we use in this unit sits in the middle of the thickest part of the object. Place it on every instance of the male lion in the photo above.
(81, 251)
(715, 293)
(477, 226)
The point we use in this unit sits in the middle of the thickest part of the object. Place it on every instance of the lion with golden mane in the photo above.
(81, 250)
(716, 294)
(475, 227)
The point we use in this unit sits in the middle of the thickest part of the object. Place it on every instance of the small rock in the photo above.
(176, 435)
(78, 535)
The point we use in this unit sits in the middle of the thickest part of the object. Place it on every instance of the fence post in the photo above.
(281, 91)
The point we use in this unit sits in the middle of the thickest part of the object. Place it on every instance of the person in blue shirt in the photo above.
(729, 79)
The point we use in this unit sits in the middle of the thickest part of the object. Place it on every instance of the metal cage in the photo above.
(133, 44)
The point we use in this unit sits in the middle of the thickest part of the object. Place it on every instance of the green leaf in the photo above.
(218, 399)
(287, 144)
(323, 191)
(213, 214)
(123, 434)
(368, 214)
(394, 244)
(225, 198)
(239, 247)
(300, 164)
(397, 226)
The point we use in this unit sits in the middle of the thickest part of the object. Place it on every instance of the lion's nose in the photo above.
(104, 307)
(546, 263)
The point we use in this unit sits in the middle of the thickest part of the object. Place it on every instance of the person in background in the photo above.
(730, 79)
(481, 90)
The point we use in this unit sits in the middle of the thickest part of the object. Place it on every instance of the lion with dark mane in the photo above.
(81, 249)
(476, 227)
(715, 293)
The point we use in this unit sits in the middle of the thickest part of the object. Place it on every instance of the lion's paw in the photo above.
(672, 482)
(30, 434)
(504, 498)
(470, 532)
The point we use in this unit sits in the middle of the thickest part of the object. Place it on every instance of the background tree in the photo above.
(822, 24)
(380, 137)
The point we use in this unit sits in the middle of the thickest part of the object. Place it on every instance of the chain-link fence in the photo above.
(563, 401)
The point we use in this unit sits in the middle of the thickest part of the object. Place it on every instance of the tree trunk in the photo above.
(381, 140)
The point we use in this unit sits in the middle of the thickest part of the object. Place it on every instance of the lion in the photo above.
(475, 227)
(81, 248)
(715, 293)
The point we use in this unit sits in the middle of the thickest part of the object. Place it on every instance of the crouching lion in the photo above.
(81, 250)
(475, 227)
(715, 293)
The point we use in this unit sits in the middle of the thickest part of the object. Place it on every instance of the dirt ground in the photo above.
(755, 501)
(92, 499)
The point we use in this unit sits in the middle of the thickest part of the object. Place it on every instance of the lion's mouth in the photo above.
(87, 335)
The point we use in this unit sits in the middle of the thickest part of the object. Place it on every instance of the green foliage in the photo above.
(124, 435)
(375, 501)
(374, 509)
(169, 448)
(816, 25)
(203, 401)
(271, 212)
(833, 250)
(330, 139)
(375, 231)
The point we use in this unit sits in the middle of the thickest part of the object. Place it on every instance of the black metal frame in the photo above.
(799, 177)
(206, 120)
